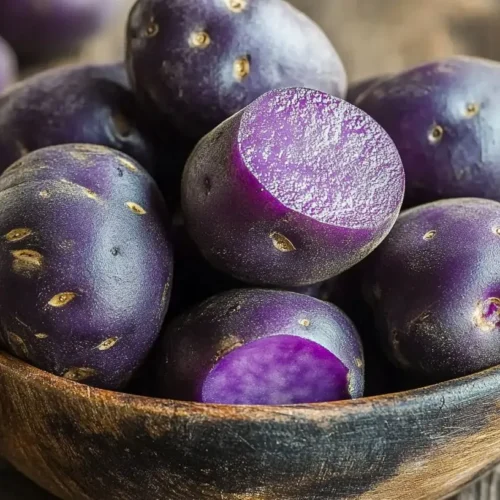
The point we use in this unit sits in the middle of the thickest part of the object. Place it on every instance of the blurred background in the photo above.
(376, 36)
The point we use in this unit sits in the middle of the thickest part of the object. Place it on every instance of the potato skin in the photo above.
(41, 30)
(8, 65)
(74, 104)
(444, 117)
(85, 262)
(200, 62)
(434, 288)
(356, 89)
(292, 211)
(197, 341)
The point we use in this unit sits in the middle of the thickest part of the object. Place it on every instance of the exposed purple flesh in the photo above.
(295, 189)
(254, 346)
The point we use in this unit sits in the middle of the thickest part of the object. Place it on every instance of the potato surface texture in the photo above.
(86, 263)
(196, 63)
(434, 288)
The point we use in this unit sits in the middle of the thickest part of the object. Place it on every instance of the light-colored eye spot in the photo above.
(199, 40)
(496, 230)
(127, 164)
(107, 344)
(472, 109)
(359, 362)
(18, 234)
(79, 374)
(44, 193)
(62, 299)
(28, 257)
(429, 235)
(92, 148)
(304, 322)
(41, 336)
(137, 209)
(152, 29)
(78, 156)
(486, 315)
(436, 134)
(241, 68)
(282, 243)
(90, 194)
(121, 124)
(17, 344)
(236, 5)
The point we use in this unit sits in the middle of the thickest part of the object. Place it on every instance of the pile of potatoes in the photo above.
(217, 218)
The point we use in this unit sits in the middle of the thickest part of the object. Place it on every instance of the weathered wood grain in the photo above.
(81, 443)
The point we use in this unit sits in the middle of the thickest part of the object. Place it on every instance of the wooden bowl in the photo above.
(82, 443)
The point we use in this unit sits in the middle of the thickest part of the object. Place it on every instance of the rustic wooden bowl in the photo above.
(82, 443)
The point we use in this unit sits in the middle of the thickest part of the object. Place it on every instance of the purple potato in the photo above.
(434, 287)
(43, 29)
(85, 263)
(293, 190)
(198, 63)
(8, 65)
(255, 346)
(196, 280)
(357, 89)
(74, 104)
(444, 117)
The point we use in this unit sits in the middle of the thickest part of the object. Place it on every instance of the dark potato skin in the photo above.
(85, 262)
(356, 89)
(73, 104)
(444, 118)
(39, 30)
(203, 340)
(8, 65)
(196, 63)
(434, 288)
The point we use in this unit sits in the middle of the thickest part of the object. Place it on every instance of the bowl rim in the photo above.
(435, 394)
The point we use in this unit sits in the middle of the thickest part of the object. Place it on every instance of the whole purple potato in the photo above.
(267, 347)
(444, 117)
(200, 62)
(294, 189)
(434, 287)
(8, 65)
(85, 263)
(74, 104)
(47, 28)
(356, 89)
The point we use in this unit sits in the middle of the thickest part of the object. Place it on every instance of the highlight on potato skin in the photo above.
(90, 104)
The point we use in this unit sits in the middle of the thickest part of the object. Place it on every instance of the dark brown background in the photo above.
(373, 37)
